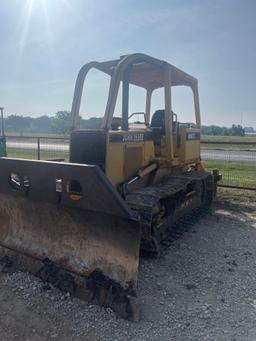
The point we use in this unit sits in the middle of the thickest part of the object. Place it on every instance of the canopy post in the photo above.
(196, 106)
(148, 106)
(125, 99)
(168, 110)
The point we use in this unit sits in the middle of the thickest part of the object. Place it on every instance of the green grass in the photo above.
(229, 138)
(218, 146)
(243, 147)
(32, 154)
(34, 134)
(234, 173)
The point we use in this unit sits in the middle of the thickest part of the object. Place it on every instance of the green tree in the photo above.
(237, 130)
(91, 123)
(41, 124)
(18, 124)
(61, 122)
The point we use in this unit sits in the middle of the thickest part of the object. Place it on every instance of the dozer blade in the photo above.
(66, 223)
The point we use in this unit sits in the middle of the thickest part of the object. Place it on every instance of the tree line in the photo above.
(235, 130)
(60, 124)
(57, 124)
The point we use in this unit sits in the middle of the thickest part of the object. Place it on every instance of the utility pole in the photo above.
(241, 119)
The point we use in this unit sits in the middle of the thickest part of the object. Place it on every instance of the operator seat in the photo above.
(158, 126)
(157, 121)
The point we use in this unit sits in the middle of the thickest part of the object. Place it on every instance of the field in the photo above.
(234, 173)
(229, 147)
(218, 138)
(47, 135)
(44, 154)
(245, 143)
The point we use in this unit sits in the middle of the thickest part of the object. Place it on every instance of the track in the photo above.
(161, 206)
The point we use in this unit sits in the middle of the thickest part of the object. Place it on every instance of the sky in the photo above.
(45, 42)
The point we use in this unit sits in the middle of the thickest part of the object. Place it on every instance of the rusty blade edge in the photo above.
(95, 288)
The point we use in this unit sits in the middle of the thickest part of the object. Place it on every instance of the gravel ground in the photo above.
(202, 288)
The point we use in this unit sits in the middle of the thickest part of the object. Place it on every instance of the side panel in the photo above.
(115, 163)
(127, 152)
(189, 148)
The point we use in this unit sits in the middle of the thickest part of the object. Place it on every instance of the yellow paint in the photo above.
(75, 197)
(125, 159)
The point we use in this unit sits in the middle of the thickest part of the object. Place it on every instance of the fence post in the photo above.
(38, 148)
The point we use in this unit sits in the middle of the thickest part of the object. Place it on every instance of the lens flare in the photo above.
(39, 9)
(26, 21)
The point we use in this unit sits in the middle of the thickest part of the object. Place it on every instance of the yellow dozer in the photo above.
(81, 225)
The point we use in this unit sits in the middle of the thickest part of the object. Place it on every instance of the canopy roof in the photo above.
(150, 74)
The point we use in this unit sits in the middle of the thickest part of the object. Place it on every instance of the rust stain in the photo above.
(76, 240)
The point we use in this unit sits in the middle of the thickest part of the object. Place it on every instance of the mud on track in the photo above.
(203, 287)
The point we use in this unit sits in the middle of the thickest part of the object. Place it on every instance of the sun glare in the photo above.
(39, 9)
(26, 20)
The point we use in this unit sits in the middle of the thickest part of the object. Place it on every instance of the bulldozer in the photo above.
(81, 225)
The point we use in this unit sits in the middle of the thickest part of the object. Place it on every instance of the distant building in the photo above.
(250, 133)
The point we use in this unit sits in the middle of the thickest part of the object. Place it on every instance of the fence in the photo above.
(235, 160)
(39, 148)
